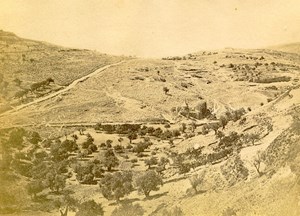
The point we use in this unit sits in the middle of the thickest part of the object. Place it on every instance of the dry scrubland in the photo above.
(209, 133)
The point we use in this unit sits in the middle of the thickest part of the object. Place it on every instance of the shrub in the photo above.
(175, 211)
(134, 160)
(128, 209)
(102, 145)
(166, 90)
(167, 126)
(90, 208)
(141, 154)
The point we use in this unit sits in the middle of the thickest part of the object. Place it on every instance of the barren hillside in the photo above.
(211, 133)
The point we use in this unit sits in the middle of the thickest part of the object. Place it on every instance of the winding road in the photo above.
(54, 94)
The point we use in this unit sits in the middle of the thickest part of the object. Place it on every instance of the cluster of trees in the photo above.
(158, 132)
(161, 164)
(87, 172)
(42, 84)
(234, 170)
(89, 144)
(194, 157)
(119, 129)
(34, 87)
(117, 185)
(174, 58)
(132, 131)
(252, 138)
(234, 115)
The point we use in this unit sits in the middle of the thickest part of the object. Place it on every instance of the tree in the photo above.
(166, 90)
(55, 181)
(120, 140)
(258, 160)
(116, 185)
(90, 208)
(196, 180)
(84, 173)
(69, 145)
(183, 127)
(253, 138)
(50, 80)
(33, 188)
(151, 161)
(69, 203)
(149, 181)
(75, 137)
(131, 136)
(110, 160)
(220, 135)
(140, 147)
(34, 138)
(163, 162)
(58, 151)
(214, 126)
(108, 143)
(89, 144)
(223, 121)
(128, 209)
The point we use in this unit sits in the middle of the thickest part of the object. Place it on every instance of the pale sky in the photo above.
(154, 28)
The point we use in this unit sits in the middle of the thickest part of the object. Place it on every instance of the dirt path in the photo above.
(72, 85)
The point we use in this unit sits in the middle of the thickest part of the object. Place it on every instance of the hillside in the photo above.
(26, 62)
(133, 90)
(289, 48)
(215, 132)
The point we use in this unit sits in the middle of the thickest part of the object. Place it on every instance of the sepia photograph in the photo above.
(149, 108)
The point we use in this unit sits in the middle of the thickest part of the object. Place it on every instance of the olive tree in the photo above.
(149, 181)
(116, 185)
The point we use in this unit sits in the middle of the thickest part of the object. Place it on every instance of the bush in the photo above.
(141, 154)
(141, 147)
(134, 160)
(128, 209)
(176, 211)
(166, 90)
(90, 208)
(167, 126)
